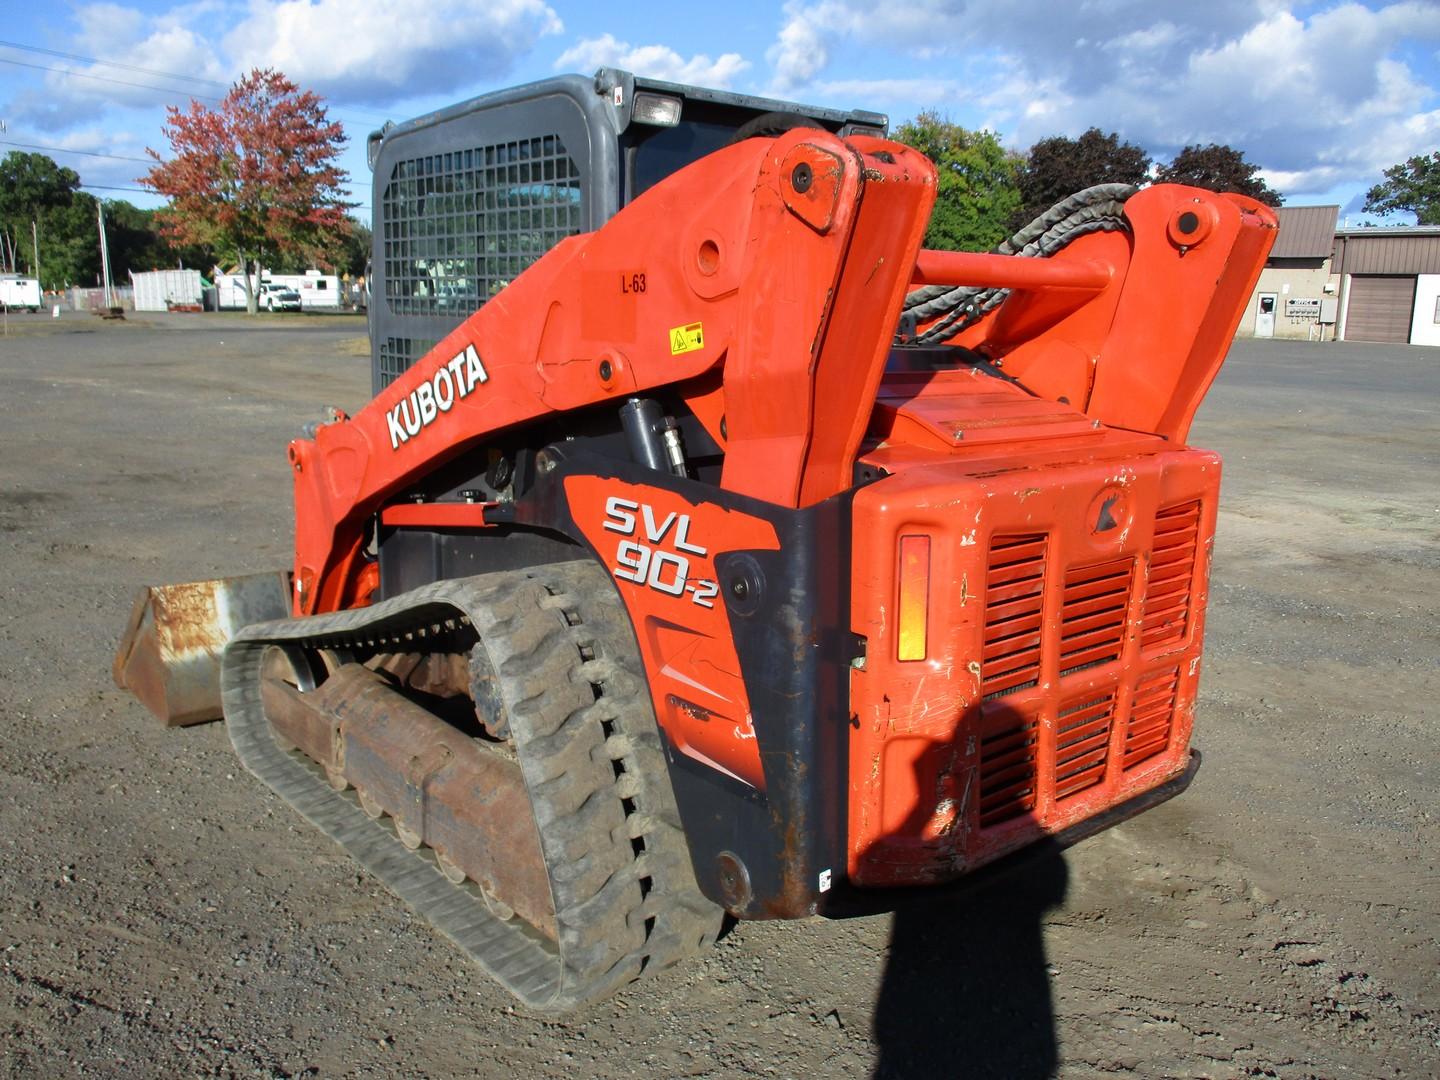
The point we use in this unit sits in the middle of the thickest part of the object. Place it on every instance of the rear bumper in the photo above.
(851, 901)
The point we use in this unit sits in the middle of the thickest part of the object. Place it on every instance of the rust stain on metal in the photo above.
(439, 786)
(187, 618)
(169, 656)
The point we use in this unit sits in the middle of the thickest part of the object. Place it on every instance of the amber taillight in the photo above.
(914, 601)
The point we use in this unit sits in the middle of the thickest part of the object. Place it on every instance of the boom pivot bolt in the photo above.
(801, 177)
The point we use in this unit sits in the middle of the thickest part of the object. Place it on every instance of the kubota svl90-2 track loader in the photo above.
(669, 584)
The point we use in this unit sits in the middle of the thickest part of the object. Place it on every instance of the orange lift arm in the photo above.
(781, 262)
(781, 266)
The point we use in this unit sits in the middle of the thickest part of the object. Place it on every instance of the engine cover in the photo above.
(1031, 586)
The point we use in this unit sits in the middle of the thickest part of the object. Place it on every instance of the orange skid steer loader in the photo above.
(669, 584)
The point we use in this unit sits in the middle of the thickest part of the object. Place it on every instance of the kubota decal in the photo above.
(450, 383)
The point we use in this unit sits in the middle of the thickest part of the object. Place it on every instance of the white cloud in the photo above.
(73, 91)
(363, 52)
(802, 48)
(870, 92)
(349, 52)
(1317, 98)
(655, 61)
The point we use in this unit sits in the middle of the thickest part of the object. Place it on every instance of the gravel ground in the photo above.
(163, 915)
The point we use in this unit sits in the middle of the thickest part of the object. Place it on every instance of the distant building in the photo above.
(1389, 284)
(1367, 284)
(1290, 300)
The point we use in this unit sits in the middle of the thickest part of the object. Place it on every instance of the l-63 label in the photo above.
(644, 561)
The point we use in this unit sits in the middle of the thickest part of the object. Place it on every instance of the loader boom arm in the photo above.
(738, 261)
(782, 265)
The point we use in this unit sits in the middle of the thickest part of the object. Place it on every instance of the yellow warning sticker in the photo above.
(685, 339)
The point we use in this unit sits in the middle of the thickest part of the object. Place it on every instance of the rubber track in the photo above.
(565, 665)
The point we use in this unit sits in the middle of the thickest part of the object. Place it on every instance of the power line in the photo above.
(65, 150)
(112, 187)
(105, 79)
(111, 63)
(368, 117)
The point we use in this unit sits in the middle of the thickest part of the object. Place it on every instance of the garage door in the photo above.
(1380, 308)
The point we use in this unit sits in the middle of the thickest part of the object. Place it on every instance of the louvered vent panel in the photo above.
(1007, 771)
(1152, 714)
(1093, 614)
(1082, 744)
(1014, 587)
(1166, 615)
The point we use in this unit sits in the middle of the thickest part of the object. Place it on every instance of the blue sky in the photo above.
(1323, 96)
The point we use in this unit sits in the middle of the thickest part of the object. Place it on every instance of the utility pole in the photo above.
(104, 251)
(35, 245)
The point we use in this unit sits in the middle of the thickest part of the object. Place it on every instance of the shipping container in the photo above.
(160, 290)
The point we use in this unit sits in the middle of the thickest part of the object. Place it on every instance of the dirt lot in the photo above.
(162, 915)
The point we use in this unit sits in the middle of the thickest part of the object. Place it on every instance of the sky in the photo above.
(1322, 96)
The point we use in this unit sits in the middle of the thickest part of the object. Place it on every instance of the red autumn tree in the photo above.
(255, 178)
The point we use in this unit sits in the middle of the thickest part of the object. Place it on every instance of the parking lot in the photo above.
(161, 914)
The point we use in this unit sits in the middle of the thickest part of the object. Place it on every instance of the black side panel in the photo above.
(410, 558)
(791, 634)
(777, 854)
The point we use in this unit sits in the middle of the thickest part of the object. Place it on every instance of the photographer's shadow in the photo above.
(966, 989)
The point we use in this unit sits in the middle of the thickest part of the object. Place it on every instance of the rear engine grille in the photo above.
(1152, 714)
(1093, 614)
(1014, 588)
(1166, 615)
(1007, 769)
(1082, 744)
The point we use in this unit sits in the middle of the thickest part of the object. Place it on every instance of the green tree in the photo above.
(357, 249)
(1413, 186)
(255, 179)
(1058, 167)
(1218, 168)
(70, 243)
(137, 244)
(32, 188)
(979, 187)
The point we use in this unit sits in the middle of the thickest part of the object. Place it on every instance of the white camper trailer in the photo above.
(19, 292)
(317, 290)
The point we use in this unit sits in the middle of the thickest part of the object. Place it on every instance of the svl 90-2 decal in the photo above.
(647, 562)
(660, 548)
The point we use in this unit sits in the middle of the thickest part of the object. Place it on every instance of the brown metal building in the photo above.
(1307, 233)
(1389, 284)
